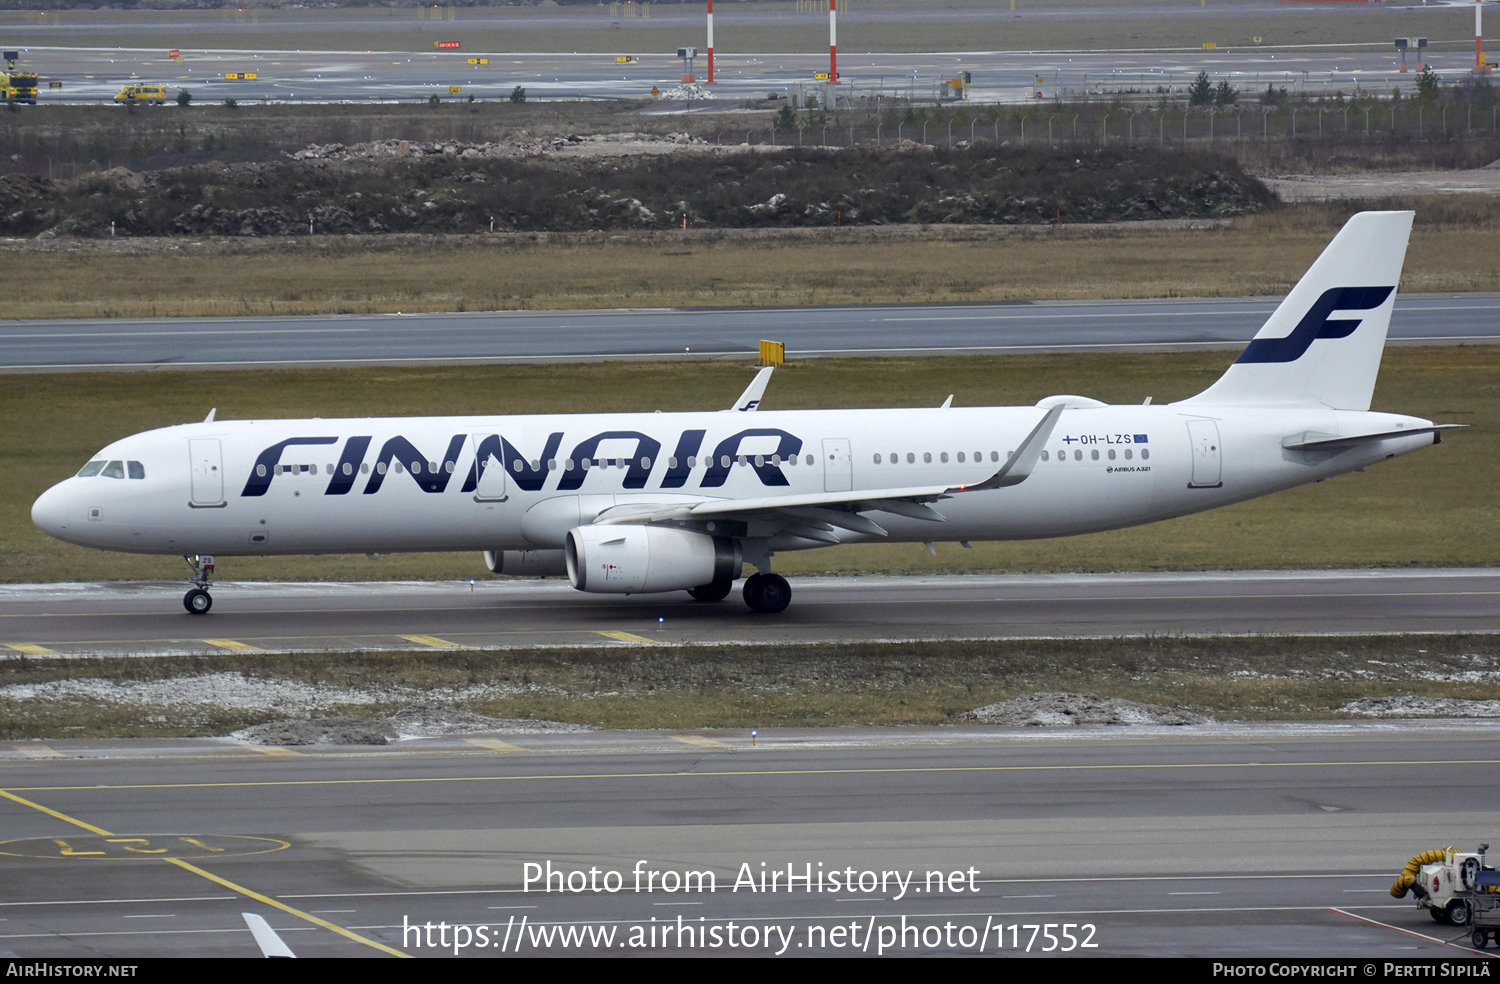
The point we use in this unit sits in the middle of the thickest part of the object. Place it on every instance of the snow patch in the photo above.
(1422, 707)
(1062, 710)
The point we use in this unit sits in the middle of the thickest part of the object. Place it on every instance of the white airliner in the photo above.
(651, 502)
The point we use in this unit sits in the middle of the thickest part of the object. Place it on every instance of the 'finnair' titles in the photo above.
(650, 502)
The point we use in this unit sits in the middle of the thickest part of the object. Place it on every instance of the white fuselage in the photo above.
(225, 488)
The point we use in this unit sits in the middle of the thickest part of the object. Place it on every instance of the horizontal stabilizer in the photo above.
(1314, 441)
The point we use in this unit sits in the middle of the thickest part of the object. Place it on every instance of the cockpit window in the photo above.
(91, 469)
(137, 470)
(115, 469)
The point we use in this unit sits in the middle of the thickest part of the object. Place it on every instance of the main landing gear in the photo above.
(767, 593)
(197, 601)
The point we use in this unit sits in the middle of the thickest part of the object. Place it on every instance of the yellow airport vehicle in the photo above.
(17, 87)
(132, 95)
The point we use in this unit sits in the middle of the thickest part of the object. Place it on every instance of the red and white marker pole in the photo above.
(833, 42)
(1478, 40)
(710, 42)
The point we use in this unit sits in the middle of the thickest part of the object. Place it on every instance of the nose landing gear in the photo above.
(197, 601)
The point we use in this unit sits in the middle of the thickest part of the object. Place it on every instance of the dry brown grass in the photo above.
(1259, 255)
(912, 683)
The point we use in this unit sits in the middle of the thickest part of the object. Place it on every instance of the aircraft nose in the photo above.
(50, 512)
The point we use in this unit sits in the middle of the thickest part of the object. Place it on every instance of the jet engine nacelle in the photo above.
(629, 559)
(526, 563)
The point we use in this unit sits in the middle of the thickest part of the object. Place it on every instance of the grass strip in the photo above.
(908, 683)
(1256, 255)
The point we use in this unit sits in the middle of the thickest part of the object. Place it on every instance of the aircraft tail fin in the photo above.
(1322, 346)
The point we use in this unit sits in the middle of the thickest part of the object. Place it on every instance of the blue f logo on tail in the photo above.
(1316, 324)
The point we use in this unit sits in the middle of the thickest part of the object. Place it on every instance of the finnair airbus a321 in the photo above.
(651, 502)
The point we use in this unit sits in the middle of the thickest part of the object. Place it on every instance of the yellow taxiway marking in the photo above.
(248, 893)
(755, 773)
(494, 745)
(434, 642)
(623, 636)
(38, 751)
(231, 644)
(30, 647)
(699, 740)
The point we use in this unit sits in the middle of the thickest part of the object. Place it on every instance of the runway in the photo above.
(497, 337)
(148, 618)
(1215, 840)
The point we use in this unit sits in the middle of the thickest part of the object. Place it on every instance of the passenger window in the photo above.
(776, 459)
(313, 469)
(91, 469)
(911, 459)
(260, 471)
(416, 467)
(809, 459)
(364, 468)
(943, 457)
(1077, 455)
(760, 461)
(960, 457)
(1046, 456)
(137, 470)
(926, 457)
(380, 467)
(672, 462)
(551, 465)
(1094, 454)
(1111, 454)
(1128, 454)
(115, 469)
(995, 455)
(1145, 454)
(877, 459)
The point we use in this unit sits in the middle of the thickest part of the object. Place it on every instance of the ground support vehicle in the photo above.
(131, 95)
(1453, 886)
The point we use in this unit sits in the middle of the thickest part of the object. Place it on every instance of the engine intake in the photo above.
(640, 559)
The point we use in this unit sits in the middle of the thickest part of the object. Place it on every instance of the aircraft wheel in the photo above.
(713, 591)
(197, 602)
(767, 593)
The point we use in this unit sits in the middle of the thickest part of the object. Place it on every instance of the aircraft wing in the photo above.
(814, 515)
(750, 399)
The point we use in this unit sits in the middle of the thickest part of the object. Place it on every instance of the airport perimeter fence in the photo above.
(1459, 129)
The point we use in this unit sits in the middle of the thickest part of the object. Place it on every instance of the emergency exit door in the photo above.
(838, 465)
(1207, 463)
(207, 471)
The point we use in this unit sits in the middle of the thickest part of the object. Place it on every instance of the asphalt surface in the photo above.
(1215, 840)
(95, 74)
(148, 618)
(695, 333)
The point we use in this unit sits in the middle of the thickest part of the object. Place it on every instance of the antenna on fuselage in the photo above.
(210, 417)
